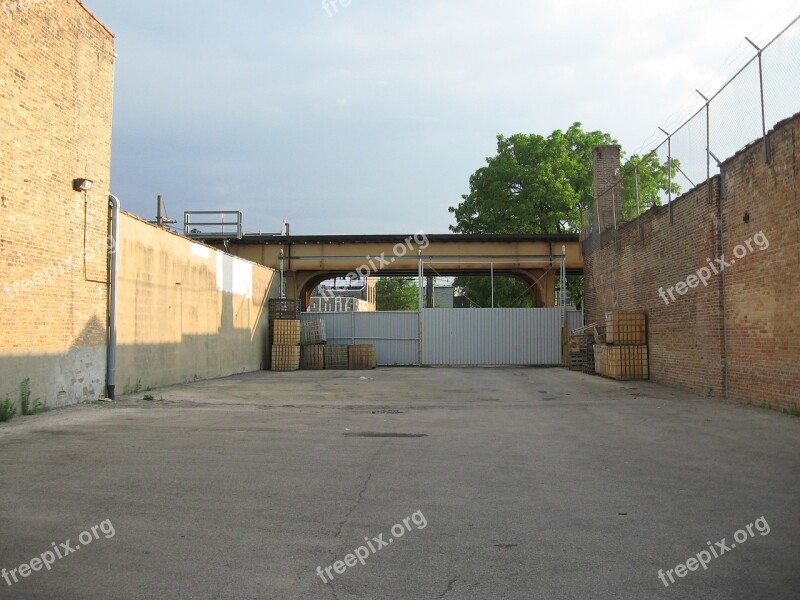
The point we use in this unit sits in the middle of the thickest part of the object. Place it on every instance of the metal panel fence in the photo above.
(395, 335)
(461, 336)
(501, 336)
(574, 320)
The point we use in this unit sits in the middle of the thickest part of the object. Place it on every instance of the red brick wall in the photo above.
(762, 290)
(736, 336)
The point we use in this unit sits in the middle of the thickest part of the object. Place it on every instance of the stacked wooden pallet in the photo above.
(284, 334)
(312, 345)
(362, 357)
(622, 355)
(336, 357)
(286, 345)
(580, 354)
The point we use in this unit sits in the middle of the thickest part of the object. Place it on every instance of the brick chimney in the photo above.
(607, 187)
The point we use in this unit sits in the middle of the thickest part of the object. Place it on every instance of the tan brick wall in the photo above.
(738, 336)
(56, 86)
(186, 311)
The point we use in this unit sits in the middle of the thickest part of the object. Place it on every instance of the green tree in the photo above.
(533, 185)
(397, 293)
(508, 292)
(542, 185)
(647, 175)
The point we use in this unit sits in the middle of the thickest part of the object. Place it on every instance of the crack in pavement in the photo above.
(449, 587)
(354, 507)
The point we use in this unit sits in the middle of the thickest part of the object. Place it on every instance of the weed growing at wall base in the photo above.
(715, 267)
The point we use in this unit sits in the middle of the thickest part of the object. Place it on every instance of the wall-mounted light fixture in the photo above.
(82, 185)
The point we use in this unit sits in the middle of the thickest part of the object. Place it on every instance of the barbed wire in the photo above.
(711, 126)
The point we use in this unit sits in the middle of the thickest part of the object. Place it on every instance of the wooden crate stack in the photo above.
(312, 345)
(623, 353)
(336, 357)
(284, 334)
(580, 355)
(362, 357)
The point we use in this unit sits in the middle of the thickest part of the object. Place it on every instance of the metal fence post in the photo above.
(669, 169)
(708, 143)
(767, 157)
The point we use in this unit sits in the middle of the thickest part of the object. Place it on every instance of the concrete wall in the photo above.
(737, 336)
(186, 311)
(56, 86)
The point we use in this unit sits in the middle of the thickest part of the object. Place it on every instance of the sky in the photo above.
(368, 117)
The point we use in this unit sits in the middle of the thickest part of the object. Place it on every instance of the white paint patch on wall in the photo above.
(200, 251)
(234, 276)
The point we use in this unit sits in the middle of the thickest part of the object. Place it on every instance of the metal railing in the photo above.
(199, 225)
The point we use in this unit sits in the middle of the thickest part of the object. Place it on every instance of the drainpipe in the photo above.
(113, 264)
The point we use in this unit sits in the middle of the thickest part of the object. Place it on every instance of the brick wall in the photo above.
(736, 336)
(762, 290)
(56, 85)
(607, 179)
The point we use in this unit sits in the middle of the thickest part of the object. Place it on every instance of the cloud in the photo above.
(373, 119)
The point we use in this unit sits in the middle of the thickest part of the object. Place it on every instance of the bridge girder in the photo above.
(307, 260)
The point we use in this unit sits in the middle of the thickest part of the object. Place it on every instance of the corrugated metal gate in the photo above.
(452, 337)
(499, 336)
(394, 334)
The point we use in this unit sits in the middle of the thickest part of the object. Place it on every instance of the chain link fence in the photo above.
(763, 92)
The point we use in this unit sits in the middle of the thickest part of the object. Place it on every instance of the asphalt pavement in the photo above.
(402, 484)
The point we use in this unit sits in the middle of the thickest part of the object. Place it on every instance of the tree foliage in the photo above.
(532, 185)
(397, 293)
(650, 177)
(541, 185)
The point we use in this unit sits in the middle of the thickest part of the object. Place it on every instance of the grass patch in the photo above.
(7, 410)
(25, 396)
(26, 408)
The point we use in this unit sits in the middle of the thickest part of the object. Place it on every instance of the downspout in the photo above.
(113, 264)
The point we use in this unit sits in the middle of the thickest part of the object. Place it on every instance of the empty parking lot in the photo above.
(530, 483)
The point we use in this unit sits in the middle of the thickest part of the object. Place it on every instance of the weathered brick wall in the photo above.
(56, 85)
(607, 179)
(735, 336)
(762, 290)
(630, 269)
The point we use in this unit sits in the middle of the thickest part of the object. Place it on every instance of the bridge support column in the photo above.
(542, 284)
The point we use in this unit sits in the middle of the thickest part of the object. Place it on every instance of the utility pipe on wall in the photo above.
(113, 267)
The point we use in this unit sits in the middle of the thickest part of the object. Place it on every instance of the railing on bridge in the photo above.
(198, 224)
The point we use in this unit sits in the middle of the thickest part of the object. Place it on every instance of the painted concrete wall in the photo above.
(56, 91)
(186, 311)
